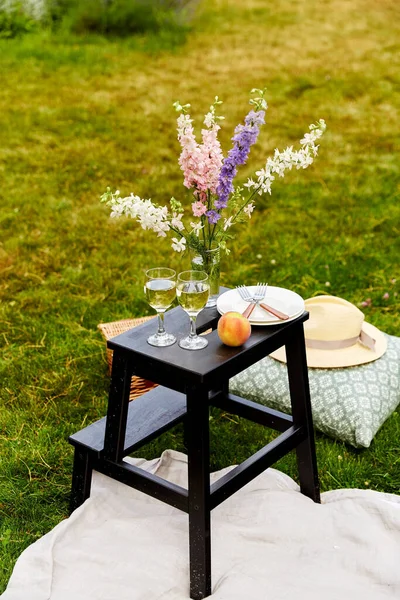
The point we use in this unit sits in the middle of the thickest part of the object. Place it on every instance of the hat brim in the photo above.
(345, 357)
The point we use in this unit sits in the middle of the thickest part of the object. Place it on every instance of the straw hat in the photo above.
(337, 336)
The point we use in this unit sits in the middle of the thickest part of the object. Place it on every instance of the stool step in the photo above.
(148, 416)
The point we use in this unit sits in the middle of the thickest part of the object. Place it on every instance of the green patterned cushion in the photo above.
(349, 404)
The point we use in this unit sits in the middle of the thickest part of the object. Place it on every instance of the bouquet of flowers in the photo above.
(217, 204)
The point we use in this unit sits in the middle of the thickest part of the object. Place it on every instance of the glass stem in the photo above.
(193, 327)
(161, 328)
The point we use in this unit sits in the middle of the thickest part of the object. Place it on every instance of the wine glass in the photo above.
(160, 290)
(192, 291)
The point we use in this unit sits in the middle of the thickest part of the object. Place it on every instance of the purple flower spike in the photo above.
(212, 216)
(245, 136)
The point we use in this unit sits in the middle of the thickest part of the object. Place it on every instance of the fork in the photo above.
(256, 298)
(245, 295)
(260, 292)
(260, 295)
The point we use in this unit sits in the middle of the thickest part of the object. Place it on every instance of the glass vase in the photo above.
(208, 261)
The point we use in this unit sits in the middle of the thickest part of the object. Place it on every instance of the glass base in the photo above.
(193, 343)
(161, 339)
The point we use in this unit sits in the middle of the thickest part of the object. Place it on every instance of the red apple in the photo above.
(233, 329)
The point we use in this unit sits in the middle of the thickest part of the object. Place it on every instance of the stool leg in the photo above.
(118, 402)
(302, 415)
(81, 479)
(197, 436)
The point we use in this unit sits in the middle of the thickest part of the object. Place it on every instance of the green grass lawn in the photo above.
(77, 115)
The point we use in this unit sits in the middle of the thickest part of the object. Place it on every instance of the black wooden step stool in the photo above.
(190, 382)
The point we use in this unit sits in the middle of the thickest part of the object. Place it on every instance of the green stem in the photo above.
(177, 230)
(212, 235)
(245, 204)
(209, 225)
(203, 230)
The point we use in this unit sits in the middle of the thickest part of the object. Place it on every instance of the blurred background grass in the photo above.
(80, 110)
(118, 18)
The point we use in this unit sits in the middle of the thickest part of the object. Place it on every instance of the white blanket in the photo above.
(269, 542)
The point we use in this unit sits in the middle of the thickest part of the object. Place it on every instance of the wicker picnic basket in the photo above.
(110, 330)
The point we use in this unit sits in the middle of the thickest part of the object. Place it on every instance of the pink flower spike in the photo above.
(202, 196)
(199, 208)
(386, 296)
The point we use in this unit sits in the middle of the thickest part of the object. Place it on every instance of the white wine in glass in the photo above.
(160, 293)
(192, 291)
(160, 290)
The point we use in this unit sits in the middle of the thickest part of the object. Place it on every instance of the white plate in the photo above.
(280, 298)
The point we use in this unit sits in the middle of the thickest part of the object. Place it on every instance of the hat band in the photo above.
(363, 338)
